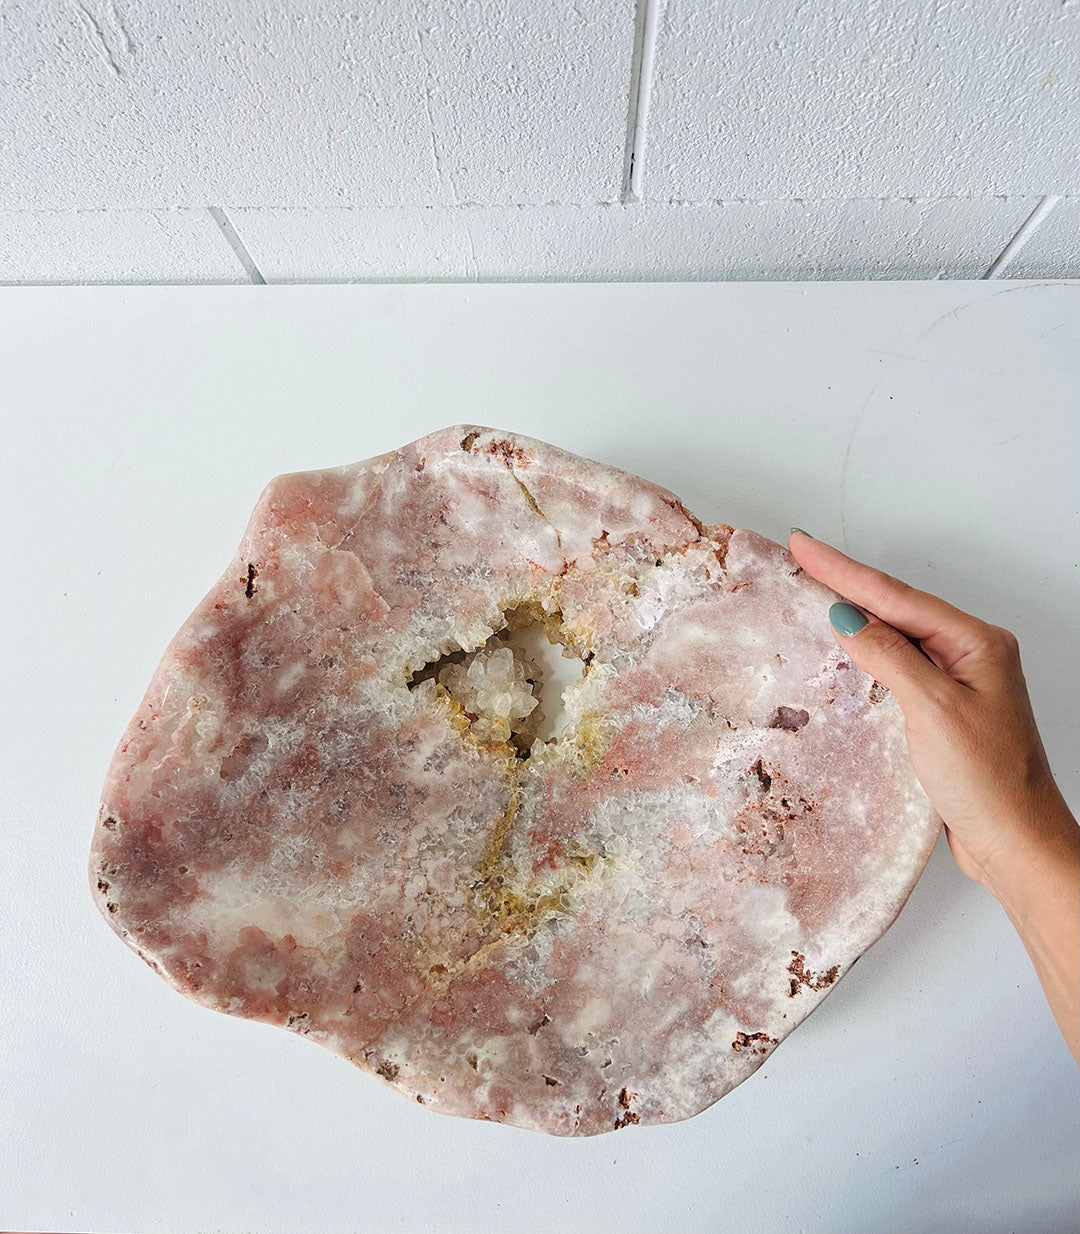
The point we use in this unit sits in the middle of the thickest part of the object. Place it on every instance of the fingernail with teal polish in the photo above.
(799, 531)
(846, 619)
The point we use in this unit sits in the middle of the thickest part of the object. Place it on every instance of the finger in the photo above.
(882, 651)
(948, 634)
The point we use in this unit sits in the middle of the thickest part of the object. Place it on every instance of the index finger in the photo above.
(947, 633)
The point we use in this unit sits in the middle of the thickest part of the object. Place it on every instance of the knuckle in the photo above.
(884, 640)
(887, 588)
(884, 636)
(1009, 641)
(1000, 643)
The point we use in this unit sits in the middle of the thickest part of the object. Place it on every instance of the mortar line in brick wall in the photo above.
(1027, 229)
(646, 27)
(672, 203)
(237, 245)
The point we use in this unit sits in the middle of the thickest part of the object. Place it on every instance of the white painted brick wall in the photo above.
(115, 246)
(1052, 251)
(585, 139)
(745, 240)
(832, 98)
(143, 104)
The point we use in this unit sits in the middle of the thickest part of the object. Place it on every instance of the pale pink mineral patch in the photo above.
(331, 813)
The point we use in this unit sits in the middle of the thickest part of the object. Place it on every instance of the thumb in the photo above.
(884, 653)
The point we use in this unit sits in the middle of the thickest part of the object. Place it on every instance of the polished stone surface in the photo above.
(331, 811)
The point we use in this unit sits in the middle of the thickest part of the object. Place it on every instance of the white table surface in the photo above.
(930, 427)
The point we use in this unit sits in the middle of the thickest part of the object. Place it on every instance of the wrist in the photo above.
(1039, 854)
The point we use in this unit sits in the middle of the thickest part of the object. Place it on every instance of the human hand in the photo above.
(975, 748)
(970, 728)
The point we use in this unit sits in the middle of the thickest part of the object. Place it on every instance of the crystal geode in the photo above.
(336, 811)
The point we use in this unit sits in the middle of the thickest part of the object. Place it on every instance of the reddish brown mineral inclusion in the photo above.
(341, 807)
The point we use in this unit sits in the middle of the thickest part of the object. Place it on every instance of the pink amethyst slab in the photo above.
(302, 826)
